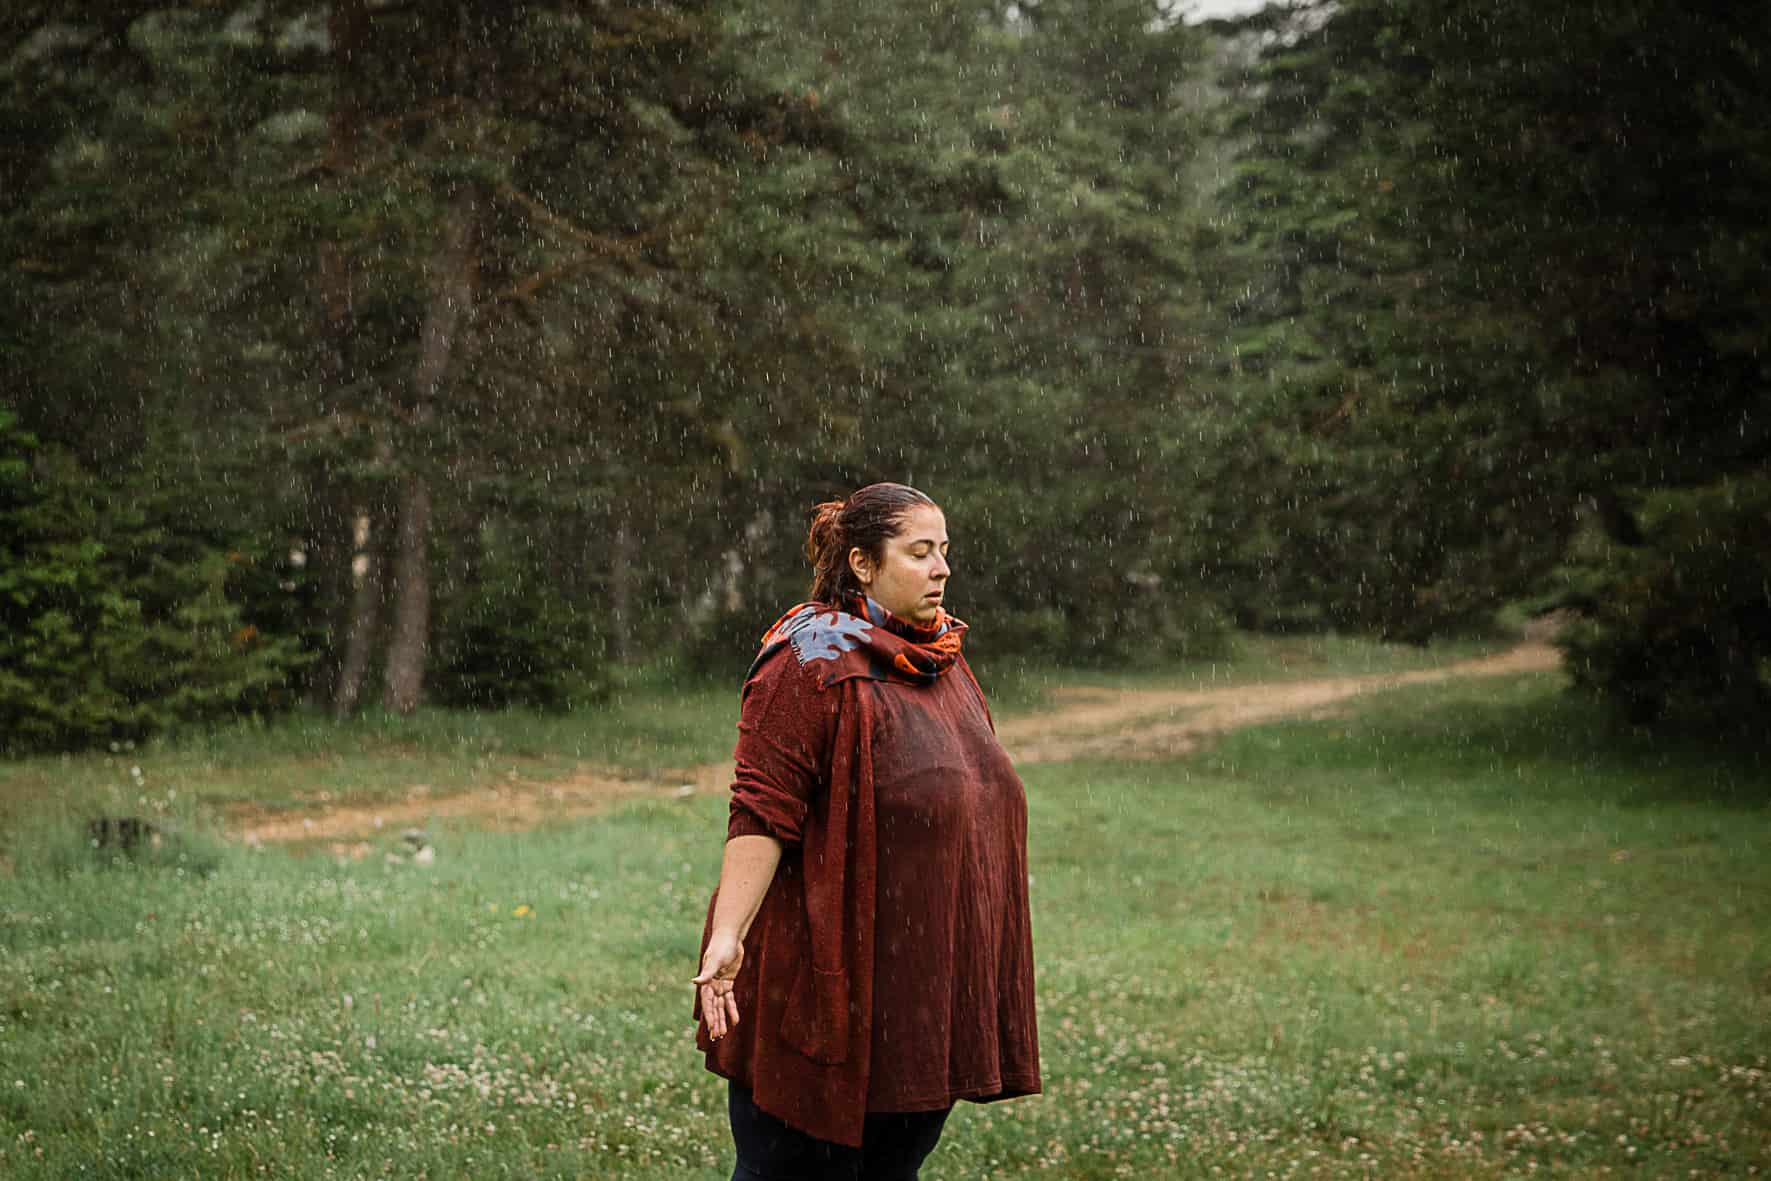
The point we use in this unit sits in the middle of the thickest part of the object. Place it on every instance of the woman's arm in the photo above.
(779, 764)
(744, 878)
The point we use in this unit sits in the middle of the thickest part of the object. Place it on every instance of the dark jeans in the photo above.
(893, 1146)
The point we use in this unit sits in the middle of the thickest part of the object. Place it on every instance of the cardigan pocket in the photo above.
(816, 1020)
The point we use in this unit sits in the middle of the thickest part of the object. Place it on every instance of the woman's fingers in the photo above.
(713, 1012)
(719, 966)
(719, 1007)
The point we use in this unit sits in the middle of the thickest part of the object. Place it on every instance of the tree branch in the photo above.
(628, 248)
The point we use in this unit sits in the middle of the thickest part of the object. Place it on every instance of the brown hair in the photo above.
(869, 518)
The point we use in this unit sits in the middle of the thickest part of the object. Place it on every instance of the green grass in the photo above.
(650, 724)
(308, 760)
(1468, 932)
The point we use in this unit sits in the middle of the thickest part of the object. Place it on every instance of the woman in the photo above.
(867, 959)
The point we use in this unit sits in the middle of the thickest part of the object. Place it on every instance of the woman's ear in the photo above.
(861, 565)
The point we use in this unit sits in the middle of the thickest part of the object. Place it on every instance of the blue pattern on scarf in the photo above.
(824, 635)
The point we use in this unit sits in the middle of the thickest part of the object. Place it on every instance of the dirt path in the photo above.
(1084, 723)
(1162, 723)
(512, 805)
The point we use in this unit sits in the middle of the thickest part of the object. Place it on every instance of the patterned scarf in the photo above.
(866, 641)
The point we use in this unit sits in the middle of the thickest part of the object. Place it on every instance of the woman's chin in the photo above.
(921, 612)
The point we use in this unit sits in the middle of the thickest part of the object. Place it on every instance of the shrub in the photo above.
(1678, 625)
(513, 636)
(115, 620)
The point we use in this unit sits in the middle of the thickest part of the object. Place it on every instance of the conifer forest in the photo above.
(364, 354)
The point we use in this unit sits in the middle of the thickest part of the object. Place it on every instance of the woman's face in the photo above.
(910, 577)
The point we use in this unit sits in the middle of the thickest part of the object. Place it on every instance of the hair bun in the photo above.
(825, 528)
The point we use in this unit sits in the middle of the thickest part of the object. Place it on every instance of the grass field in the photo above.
(649, 726)
(1467, 932)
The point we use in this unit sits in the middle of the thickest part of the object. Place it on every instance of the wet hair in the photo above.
(869, 518)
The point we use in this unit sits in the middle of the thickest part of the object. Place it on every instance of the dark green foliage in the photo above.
(625, 288)
(59, 612)
(264, 304)
(994, 236)
(1394, 479)
(1501, 265)
(508, 637)
(1676, 624)
(116, 621)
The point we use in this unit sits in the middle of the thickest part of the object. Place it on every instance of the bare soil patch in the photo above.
(1084, 723)
(513, 804)
(1164, 723)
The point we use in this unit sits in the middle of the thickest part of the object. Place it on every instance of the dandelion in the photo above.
(523, 911)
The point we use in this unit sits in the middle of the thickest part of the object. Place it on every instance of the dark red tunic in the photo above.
(932, 824)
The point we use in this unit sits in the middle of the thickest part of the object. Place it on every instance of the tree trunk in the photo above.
(621, 594)
(329, 546)
(409, 637)
(364, 619)
(341, 559)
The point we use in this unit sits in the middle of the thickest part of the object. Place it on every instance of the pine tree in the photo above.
(1496, 278)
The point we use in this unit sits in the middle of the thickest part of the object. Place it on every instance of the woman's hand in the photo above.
(744, 877)
(719, 968)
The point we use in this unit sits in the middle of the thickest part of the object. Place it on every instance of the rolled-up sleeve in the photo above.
(782, 758)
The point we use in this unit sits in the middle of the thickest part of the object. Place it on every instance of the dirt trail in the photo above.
(513, 805)
(1083, 723)
(1161, 723)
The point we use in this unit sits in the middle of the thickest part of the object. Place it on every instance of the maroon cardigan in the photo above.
(889, 966)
